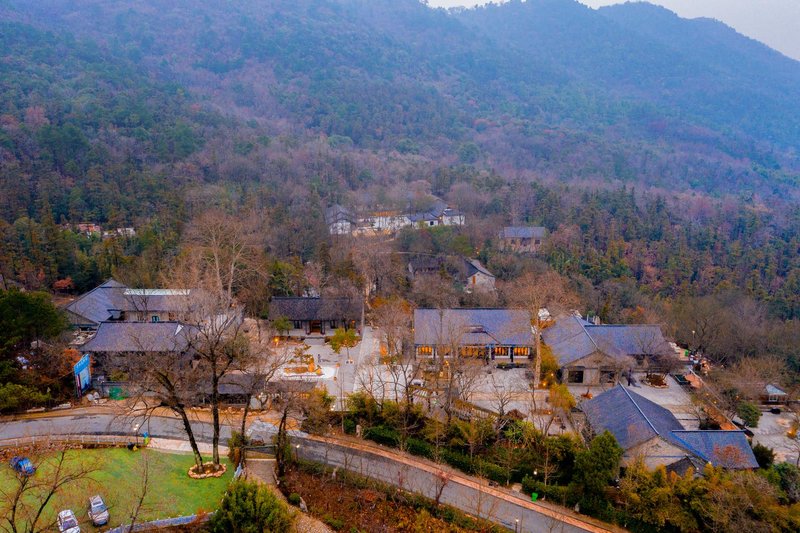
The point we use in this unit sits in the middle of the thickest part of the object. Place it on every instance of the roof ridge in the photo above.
(583, 328)
(688, 447)
(86, 294)
(707, 431)
(628, 394)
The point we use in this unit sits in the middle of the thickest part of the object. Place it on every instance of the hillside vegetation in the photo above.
(660, 151)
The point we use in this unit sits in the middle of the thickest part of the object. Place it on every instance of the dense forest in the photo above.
(659, 152)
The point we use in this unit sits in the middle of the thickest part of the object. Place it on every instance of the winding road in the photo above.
(469, 494)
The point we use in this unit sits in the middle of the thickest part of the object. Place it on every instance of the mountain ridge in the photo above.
(522, 80)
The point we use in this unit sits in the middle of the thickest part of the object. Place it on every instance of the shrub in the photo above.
(765, 455)
(235, 444)
(335, 523)
(555, 493)
(419, 447)
(294, 498)
(749, 413)
(382, 435)
(248, 507)
(14, 396)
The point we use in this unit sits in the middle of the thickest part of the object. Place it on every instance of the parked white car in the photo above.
(67, 523)
(98, 512)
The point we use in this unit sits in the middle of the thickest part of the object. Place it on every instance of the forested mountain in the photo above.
(627, 93)
(659, 150)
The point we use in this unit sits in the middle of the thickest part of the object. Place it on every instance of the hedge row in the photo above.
(390, 437)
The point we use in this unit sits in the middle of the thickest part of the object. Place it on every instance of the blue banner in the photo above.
(83, 374)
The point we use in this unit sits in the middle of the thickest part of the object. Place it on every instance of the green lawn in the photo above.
(117, 477)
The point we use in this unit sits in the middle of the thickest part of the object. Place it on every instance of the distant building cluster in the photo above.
(342, 221)
(90, 229)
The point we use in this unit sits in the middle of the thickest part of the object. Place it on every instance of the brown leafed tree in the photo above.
(219, 256)
(535, 292)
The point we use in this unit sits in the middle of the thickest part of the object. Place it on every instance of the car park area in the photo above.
(115, 475)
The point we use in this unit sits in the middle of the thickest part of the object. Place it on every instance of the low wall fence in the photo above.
(164, 523)
(83, 439)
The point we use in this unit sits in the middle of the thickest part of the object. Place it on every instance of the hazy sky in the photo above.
(774, 22)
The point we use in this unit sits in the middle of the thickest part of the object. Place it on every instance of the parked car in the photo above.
(23, 466)
(67, 523)
(98, 512)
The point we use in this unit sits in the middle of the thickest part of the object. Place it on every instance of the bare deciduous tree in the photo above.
(163, 374)
(536, 292)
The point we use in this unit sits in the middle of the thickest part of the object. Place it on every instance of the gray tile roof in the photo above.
(99, 304)
(337, 213)
(573, 338)
(568, 340)
(460, 268)
(93, 307)
(631, 418)
(523, 232)
(477, 327)
(438, 210)
(474, 266)
(634, 420)
(322, 308)
(124, 337)
(728, 449)
(772, 390)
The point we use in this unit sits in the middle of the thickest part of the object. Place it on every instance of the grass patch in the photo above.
(117, 478)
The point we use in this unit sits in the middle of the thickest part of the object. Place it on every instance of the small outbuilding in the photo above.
(773, 395)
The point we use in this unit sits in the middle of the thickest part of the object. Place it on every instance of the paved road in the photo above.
(464, 492)
(94, 424)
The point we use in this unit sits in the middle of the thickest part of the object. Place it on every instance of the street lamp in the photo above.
(297, 453)
(516, 525)
(136, 432)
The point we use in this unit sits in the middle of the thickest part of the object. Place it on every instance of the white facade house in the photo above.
(341, 221)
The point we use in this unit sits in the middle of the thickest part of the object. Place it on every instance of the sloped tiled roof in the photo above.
(337, 213)
(523, 232)
(97, 305)
(322, 308)
(634, 420)
(573, 338)
(772, 390)
(94, 305)
(474, 266)
(124, 337)
(568, 340)
(476, 327)
(728, 449)
(631, 418)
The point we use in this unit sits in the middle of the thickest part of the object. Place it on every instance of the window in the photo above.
(520, 350)
(575, 376)
(501, 350)
(297, 324)
(333, 324)
(607, 376)
(154, 318)
(425, 350)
